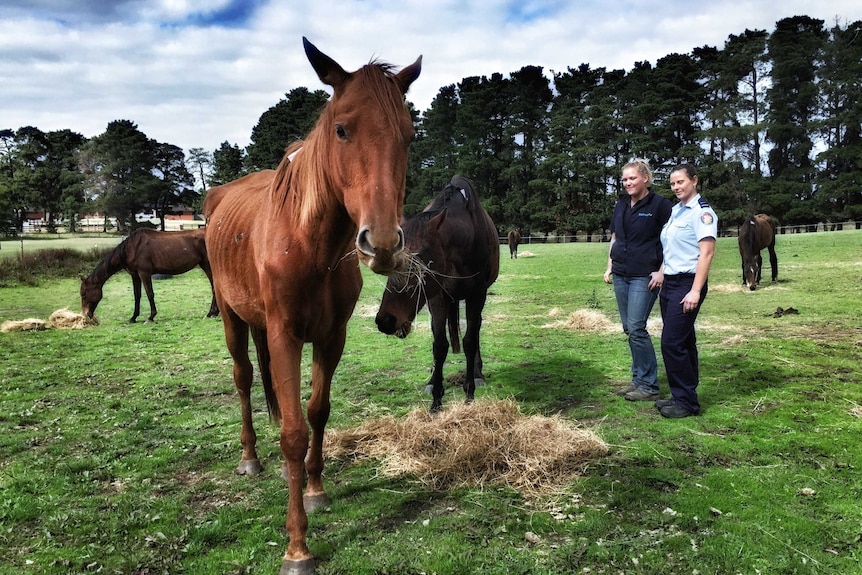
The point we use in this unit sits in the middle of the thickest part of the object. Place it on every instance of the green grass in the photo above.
(118, 443)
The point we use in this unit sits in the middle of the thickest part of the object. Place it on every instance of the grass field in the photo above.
(118, 442)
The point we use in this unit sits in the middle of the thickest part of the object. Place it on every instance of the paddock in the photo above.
(119, 440)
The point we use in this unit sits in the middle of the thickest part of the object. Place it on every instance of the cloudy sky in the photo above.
(196, 73)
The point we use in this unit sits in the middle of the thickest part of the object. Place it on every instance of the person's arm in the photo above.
(704, 261)
(610, 262)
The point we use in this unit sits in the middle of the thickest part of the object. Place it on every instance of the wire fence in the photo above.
(732, 231)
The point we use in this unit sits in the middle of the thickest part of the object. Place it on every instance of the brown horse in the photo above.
(757, 232)
(144, 253)
(456, 258)
(514, 239)
(284, 247)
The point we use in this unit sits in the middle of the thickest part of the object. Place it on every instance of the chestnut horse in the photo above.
(456, 257)
(284, 247)
(514, 239)
(757, 232)
(143, 253)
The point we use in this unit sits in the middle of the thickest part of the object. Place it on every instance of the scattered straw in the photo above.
(66, 319)
(856, 411)
(588, 320)
(30, 324)
(60, 319)
(474, 444)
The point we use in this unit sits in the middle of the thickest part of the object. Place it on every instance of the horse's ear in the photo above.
(437, 221)
(406, 76)
(328, 70)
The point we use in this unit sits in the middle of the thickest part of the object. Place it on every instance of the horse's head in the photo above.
(91, 295)
(752, 271)
(408, 289)
(364, 134)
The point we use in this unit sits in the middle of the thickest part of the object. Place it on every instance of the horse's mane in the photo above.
(444, 201)
(303, 178)
(113, 262)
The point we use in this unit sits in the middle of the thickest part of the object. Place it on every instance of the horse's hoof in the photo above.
(314, 502)
(429, 389)
(249, 467)
(133, 320)
(479, 381)
(297, 567)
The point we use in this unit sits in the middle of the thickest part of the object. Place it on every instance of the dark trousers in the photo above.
(678, 340)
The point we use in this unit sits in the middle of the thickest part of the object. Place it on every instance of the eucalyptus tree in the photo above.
(47, 176)
(174, 183)
(839, 174)
(287, 121)
(228, 164)
(200, 163)
(795, 49)
(119, 165)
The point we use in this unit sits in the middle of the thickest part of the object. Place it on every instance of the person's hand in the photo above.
(608, 279)
(656, 279)
(691, 301)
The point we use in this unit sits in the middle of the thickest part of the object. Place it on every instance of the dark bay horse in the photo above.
(143, 253)
(284, 247)
(757, 232)
(456, 257)
(514, 239)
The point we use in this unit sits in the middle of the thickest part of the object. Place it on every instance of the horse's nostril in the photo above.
(386, 323)
(363, 242)
(399, 247)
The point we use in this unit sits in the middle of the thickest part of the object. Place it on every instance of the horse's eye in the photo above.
(340, 132)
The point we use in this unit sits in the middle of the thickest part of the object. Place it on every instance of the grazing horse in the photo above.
(514, 240)
(284, 247)
(144, 253)
(456, 257)
(756, 233)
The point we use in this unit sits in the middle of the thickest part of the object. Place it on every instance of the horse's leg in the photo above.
(236, 337)
(147, 280)
(759, 267)
(773, 260)
(285, 358)
(439, 309)
(213, 312)
(473, 308)
(136, 290)
(325, 360)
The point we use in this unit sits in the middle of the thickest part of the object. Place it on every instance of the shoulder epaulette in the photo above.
(703, 203)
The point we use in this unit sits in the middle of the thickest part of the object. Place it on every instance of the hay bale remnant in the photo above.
(487, 442)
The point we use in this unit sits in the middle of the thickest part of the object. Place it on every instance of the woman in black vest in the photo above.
(634, 258)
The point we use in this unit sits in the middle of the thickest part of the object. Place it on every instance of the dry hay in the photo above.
(474, 444)
(67, 319)
(526, 254)
(581, 320)
(29, 324)
(60, 319)
(856, 411)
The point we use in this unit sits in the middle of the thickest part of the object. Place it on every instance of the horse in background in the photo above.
(143, 253)
(285, 247)
(514, 239)
(757, 232)
(456, 257)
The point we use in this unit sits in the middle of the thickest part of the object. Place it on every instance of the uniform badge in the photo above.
(706, 218)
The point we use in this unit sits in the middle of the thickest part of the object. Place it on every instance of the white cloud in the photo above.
(80, 65)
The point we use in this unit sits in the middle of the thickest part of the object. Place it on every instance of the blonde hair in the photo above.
(642, 166)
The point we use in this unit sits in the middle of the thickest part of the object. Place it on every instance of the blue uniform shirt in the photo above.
(688, 224)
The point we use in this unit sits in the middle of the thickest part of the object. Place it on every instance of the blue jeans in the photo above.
(635, 301)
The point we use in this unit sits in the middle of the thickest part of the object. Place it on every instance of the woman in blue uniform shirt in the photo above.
(688, 240)
(634, 259)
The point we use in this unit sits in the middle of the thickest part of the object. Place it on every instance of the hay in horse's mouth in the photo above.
(404, 330)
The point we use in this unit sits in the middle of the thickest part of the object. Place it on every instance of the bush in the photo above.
(31, 268)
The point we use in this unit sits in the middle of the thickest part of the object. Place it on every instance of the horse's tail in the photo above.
(263, 360)
(454, 321)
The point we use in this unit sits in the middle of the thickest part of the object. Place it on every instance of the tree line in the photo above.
(772, 120)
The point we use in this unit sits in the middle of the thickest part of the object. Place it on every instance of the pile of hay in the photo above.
(60, 319)
(66, 319)
(474, 444)
(29, 324)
